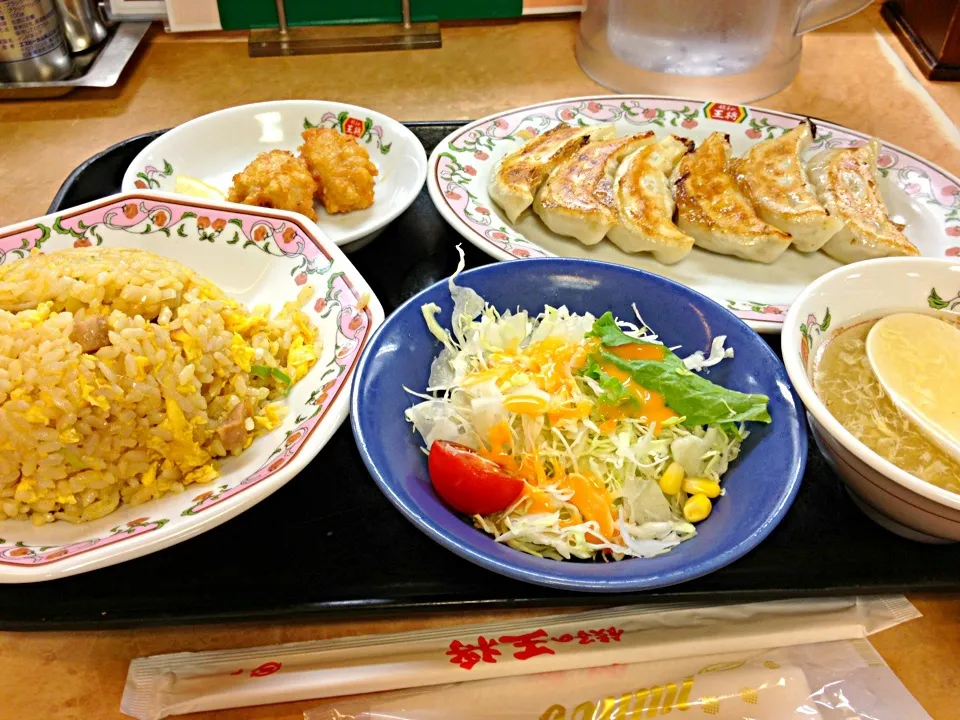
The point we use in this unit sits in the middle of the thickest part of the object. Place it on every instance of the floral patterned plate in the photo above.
(917, 193)
(257, 256)
(215, 147)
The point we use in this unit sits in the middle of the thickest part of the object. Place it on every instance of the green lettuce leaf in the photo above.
(613, 390)
(605, 327)
(696, 399)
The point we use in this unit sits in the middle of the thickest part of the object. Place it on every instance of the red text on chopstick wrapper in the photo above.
(268, 668)
(534, 643)
(589, 636)
(530, 645)
(466, 656)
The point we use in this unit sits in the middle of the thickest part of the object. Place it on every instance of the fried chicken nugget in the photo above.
(276, 179)
(342, 169)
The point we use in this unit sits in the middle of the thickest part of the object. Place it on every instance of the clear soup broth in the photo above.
(845, 382)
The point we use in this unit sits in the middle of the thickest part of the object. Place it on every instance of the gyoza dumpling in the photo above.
(646, 202)
(773, 177)
(714, 212)
(578, 198)
(517, 177)
(846, 181)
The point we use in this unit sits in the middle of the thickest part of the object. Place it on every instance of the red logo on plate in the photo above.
(727, 113)
(353, 126)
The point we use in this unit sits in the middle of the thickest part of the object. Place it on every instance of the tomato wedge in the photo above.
(469, 483)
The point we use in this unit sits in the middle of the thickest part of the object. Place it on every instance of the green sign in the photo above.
(246, 14)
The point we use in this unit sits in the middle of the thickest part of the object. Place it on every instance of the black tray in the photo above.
(329, 543)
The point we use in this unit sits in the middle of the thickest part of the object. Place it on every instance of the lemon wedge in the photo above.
(186, 185)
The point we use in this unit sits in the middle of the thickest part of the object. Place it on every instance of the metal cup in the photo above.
(83, 23)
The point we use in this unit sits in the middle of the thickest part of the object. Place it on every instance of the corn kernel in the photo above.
(693, 486)
(697, 508)
(672, 478)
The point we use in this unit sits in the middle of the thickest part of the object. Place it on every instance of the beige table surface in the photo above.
(852, 73)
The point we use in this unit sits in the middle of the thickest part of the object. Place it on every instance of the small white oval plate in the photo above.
(917, 192)
(215, 147)
(256, 256)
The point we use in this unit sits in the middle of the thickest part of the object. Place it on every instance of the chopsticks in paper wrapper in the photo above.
(190, 682)
(838, 680)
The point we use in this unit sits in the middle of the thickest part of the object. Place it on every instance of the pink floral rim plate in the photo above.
(917, 192)
(257, 256)
(214, 147)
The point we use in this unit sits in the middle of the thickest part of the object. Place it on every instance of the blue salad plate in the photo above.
(760, 485)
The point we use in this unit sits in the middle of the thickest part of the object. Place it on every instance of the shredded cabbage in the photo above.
(718, 353)
(485, 386)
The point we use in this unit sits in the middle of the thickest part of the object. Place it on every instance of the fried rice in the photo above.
(125, 376)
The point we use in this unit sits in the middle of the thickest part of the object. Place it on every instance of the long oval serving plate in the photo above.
(919, 194)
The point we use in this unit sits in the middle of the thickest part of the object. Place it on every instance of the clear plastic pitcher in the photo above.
(734, 50)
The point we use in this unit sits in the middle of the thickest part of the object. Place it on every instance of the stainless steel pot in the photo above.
(32, 44)
(83, 23)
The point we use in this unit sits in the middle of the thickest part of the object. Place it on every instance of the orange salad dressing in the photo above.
(592, 499)
(590, 496)
(653, 406)
(552, 366)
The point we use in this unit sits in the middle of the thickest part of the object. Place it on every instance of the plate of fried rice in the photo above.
(164, 365)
